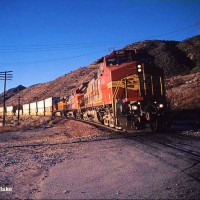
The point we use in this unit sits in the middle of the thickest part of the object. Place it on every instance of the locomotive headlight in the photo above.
(139, 66)
(134, 107)
(139, 70)
(161, 105)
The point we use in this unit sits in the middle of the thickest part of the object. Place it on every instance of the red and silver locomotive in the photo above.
(127, 92)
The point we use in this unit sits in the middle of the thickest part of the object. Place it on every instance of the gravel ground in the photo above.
(27, 157)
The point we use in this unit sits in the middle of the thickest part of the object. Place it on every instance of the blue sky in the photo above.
(41, 40)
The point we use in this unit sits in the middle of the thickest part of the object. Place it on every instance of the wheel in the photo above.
(65, 113)
(164, 126)
(81, 116)
(158, 125)
(100, 118)
(106, 122)
(112, 123)
(154, 125)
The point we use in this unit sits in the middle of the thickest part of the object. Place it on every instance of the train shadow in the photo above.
(185, 125)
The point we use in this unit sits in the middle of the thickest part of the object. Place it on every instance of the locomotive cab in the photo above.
(150, 110)
(135, 89)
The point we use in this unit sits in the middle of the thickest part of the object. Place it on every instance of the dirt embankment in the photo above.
(183, 92)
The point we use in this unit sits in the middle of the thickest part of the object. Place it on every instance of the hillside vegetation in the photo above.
(176, 58)
(180, 61)
(183, 92)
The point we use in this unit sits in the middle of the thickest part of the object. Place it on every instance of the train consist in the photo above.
(43, 108)
(127, 92)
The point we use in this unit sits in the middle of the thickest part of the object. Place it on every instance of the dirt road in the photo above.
(51, 166)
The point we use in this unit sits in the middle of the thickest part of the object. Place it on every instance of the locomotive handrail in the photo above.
(114, 100)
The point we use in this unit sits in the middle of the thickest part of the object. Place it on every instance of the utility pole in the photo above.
(18, 106)
(6, 75)
(18, 114)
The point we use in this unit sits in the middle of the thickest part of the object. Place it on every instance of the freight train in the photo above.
(127, 92)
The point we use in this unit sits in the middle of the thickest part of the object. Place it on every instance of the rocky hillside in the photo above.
(183, 92)
(59, 87)
(176, 58)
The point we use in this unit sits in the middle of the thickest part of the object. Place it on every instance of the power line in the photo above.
(88, 44)
(48, 49)
(175, 31)
(54, 60)
(52, 47)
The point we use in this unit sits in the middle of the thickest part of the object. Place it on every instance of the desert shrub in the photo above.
(42, 120)
(48, 119)
(195, 70)
(4, 129)
(24, 126)
(50, 123)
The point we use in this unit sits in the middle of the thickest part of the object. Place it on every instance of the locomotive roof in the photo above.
(140, 55)
(125, 52)
(80, 88)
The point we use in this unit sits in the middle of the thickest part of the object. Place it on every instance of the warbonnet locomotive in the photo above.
(127, 92)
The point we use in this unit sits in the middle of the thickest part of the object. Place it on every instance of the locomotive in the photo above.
(127, 92)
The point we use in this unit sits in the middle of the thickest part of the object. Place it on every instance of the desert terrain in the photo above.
(60, 158)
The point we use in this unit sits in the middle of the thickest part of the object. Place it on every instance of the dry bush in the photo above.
(56, 120)
(4, 129)
(48, 119)
(50, 123)
(24, 127)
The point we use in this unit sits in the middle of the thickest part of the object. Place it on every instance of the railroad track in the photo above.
(101, 126)
(147, 136)
(108, 128)
(118, 134)
(193, 154)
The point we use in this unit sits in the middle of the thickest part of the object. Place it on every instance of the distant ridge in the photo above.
(11, 92)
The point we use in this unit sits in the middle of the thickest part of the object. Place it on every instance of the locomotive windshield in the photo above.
(117, 61)
(119, 57)
(125, 56)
